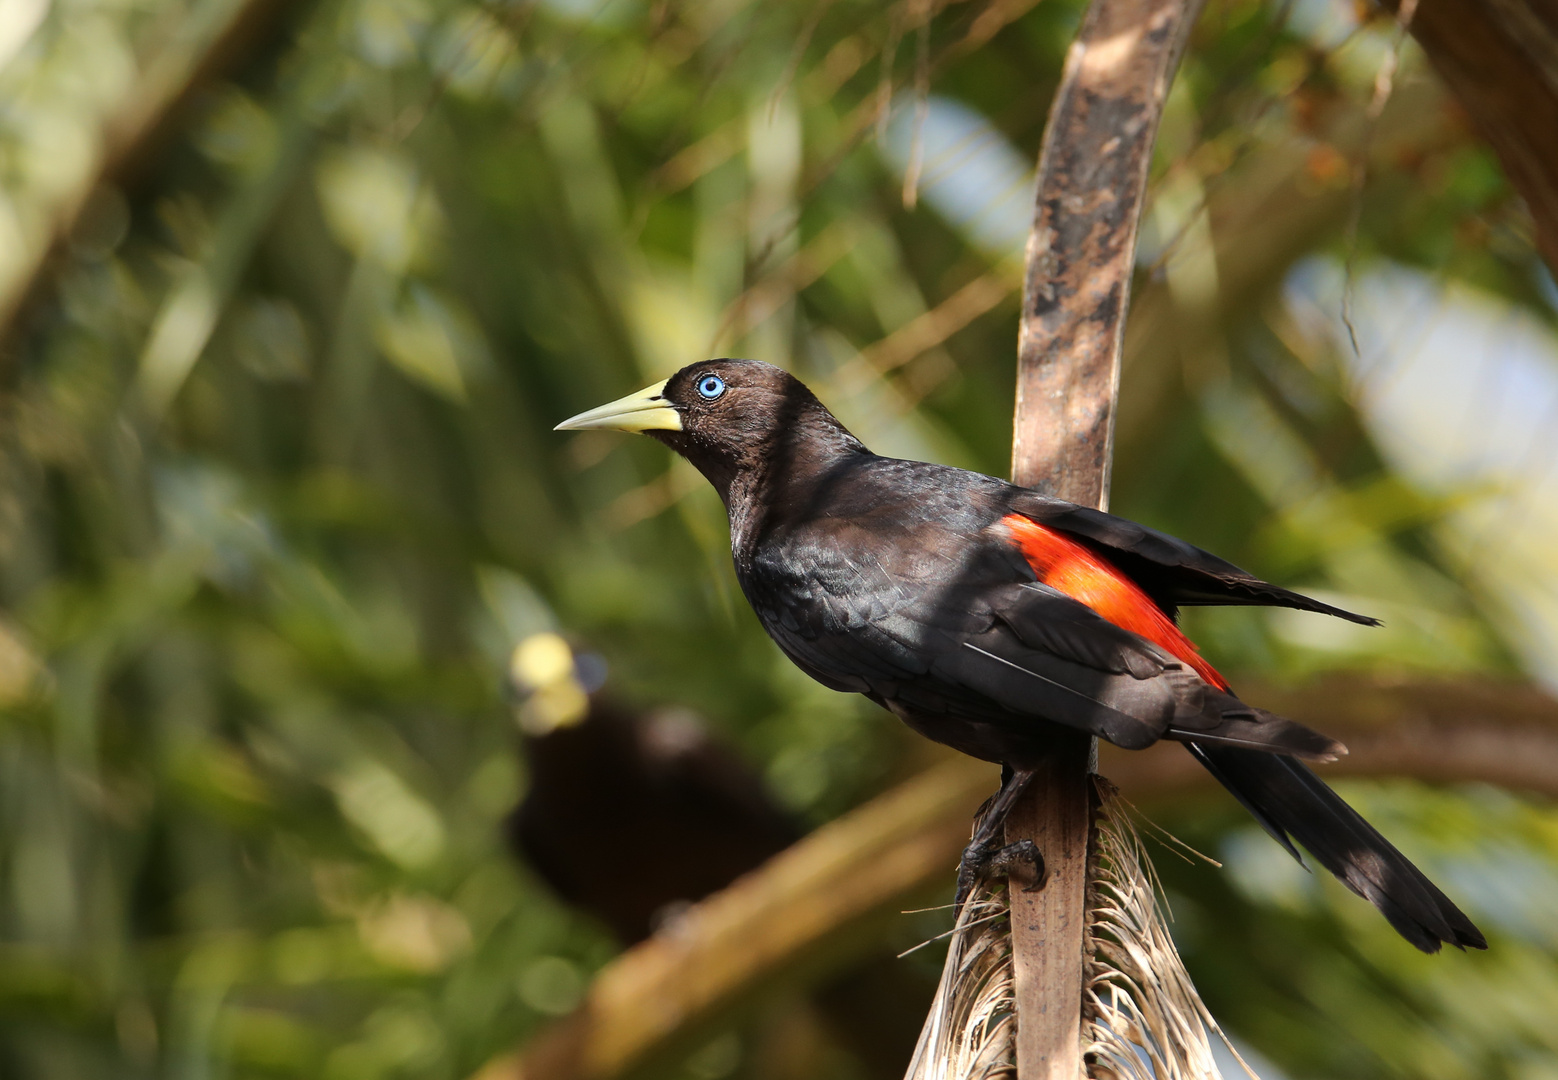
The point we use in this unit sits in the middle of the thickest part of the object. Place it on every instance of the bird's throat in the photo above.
(788, 481)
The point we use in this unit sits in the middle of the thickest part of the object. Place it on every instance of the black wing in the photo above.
(953, 626)
(1172, 572)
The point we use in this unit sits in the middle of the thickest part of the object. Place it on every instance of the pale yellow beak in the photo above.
(646, 410)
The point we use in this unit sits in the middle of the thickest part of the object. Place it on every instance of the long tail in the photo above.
(1293, 803)
(1227, 721)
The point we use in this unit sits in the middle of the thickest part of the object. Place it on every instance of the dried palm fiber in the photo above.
(1141, 1016)
(970, 1032)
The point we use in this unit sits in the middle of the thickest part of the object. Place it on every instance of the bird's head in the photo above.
(550, 683)
(728, 417)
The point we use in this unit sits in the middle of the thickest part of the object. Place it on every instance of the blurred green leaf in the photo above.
(279, 491)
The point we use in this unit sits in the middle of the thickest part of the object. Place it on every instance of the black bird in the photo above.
(989, 617)
(632, 815)
(629, 815)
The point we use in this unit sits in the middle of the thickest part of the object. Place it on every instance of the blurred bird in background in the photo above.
(629, 815)
(633, 816)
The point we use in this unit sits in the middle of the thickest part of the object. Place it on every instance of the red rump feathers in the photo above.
(1070, 567)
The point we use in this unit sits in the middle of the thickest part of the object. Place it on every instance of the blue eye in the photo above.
(711, 386)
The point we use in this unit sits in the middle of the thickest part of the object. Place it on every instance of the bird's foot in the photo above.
(1021, 860)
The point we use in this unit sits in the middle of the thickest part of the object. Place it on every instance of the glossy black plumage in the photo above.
(1292, 803)
(907, 582)
(894, 579)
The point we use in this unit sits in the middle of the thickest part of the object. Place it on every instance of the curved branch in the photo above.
(809, 911)
(1442, 731)
(815, 908)
(1092, 182)
(1500, 59)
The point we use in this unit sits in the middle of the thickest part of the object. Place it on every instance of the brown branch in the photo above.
(813, 910)
(1441, 731)
(1500, 58)
(1092, 180)
(810, 911)
(1081, 253)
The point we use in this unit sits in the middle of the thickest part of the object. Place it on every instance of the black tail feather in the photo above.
(1271, 826)
(1293, 803)
(1257, 729)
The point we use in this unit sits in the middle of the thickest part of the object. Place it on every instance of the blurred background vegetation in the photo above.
(294, 291)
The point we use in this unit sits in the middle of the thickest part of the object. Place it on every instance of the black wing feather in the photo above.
(1172, 571)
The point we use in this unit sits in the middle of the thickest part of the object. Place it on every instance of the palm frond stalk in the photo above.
(1142, 1018)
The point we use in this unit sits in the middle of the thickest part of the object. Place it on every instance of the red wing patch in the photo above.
(1084, 575)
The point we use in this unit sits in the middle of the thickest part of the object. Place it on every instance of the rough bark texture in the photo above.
(1500, 59)
(1081, 254)
(1092, 179)
(1048, 926)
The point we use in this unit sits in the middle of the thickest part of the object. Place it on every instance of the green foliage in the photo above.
(278, 494)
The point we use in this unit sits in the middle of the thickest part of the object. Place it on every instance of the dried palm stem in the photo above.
(1141, 1016)
(970, 1032)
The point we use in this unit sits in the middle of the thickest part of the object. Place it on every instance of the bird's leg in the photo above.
(985, 855)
